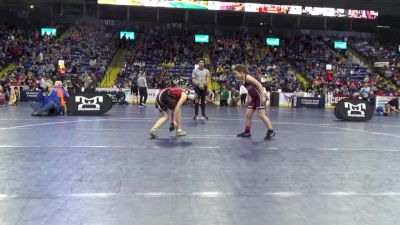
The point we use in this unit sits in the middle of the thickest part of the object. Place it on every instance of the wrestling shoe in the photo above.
(153, 133)
(195, 117)
(270, 135)
(204, 117)
(244, 134)
(180, 133)
(171, 127)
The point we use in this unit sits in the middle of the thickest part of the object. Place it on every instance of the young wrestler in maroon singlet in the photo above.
(257, 102)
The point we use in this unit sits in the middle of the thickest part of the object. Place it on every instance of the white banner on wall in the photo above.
(381, 64)
(382, 100)
(152, 94)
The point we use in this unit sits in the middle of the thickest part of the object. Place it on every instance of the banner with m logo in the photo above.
(89, 104)
(354, 110)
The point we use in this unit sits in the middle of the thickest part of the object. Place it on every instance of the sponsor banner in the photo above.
(330, 99)
(285, 99)
(308, 102)
(28, 96)
(381, 64)
(89, 104)
(354, 110)
(152, 94)
(382, 100)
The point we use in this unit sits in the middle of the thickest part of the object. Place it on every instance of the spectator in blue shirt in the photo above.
(47, 102)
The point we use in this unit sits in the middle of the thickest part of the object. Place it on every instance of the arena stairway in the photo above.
(8, 68)
(63, 36)
(299, 75)
(303, 79)
(114, 69)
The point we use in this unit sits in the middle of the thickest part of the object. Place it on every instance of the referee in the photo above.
(200, 79)
(142, 84)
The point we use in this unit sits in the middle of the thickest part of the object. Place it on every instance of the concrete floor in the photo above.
(105, 170)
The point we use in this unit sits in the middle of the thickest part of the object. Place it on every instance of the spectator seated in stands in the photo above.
(75, 85)
(47, 102)
(365, 91)
(224, 96)
(235, 97)
(120, 96)
(90, 83)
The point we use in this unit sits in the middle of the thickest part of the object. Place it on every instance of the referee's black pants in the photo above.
(202, 95)
(143, 95)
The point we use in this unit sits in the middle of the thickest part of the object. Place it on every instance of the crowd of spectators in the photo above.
(266, 63)
(9, 44)
(15, 46)
(167, 56)
(387, 54)
(89, 49)
(85, 50)
(331, 70)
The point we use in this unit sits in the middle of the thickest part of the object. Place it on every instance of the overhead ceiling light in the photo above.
(32, 6)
